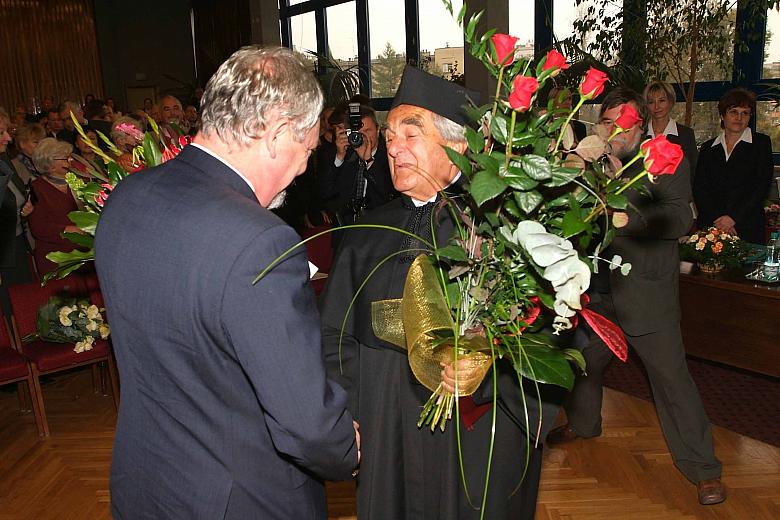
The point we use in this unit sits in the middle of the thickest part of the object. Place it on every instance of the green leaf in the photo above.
(452, 252)
(546, 364)
(542, 145)
(562, 176)
(498, 127)
(152, 154)
(528, 200)
(475, 139)
(486, 186)
(617, 201)
(459, 160)
(487, 163)
(85, 220)
(536, 167)
(79, 239)
(115, 173)
(512, 209)
(572, 354)
(573, 223)
(515, 177)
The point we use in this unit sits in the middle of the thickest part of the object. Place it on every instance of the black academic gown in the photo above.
(406, 472)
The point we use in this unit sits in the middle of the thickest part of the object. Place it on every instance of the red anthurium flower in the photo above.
(505, 48)
(555, 60)
(593, 84)
(628, 117)
(184, 140)
(662, 157)
(523, 90)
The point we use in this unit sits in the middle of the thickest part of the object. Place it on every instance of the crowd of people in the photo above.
(218, 374)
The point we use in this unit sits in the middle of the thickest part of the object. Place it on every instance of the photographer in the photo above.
(358, 179)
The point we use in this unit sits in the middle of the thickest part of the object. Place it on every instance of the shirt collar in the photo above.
(671, 128)
(418, 203)
(223, 161)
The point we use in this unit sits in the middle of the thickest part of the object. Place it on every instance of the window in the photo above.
(441, 40)
(303, 33)
(771, 67)
(387, 46)
(705, 120)
(342, 33)
(521, 24)
(768, 122)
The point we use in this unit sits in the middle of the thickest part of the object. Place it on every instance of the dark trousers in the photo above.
(680, 411)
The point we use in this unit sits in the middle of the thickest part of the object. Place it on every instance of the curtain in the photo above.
(47, 48)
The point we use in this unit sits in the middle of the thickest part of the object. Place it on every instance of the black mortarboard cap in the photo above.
(436, 94)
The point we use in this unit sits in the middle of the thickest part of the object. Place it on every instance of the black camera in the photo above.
(354, 137)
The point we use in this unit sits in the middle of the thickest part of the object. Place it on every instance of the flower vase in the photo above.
(710, 267)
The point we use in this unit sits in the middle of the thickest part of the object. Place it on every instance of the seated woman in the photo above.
(27, 139)
(87, 158)
(734, 171)
(660, 99)
(54, 201)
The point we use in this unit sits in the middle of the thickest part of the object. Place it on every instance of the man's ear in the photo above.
(274, 133)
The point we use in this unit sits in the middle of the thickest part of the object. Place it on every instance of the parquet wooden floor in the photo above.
(625, 474)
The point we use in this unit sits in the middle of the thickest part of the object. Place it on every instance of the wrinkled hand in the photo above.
(356, 426)
(467, 374)
(26, 209)
(726, 223)
(73, 229)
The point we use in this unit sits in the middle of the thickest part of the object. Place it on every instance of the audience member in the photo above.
(734, 172)
(84, 158)
(660, 98)
(54, 201)
(562, 99)
(53, 123)
(68, 132)
(27, 139)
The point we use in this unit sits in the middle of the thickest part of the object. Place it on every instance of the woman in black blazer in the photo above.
(734, 171)
(660, 99)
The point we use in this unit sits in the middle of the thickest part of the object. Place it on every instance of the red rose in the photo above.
(593, 84)
(628, 117)
(555, 60)
(661, 156)
(522, 91)
(505, 48)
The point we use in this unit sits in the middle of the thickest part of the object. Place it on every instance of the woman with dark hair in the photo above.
(734, 171)
(660, 98)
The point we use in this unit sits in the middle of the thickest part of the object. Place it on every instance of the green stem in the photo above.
(498, 91)
(625, 166)
(566, 123)
(509, 139)
(632, 181)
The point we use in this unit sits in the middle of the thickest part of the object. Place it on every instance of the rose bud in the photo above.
(505, 48)
(593, 84)
(523, 90)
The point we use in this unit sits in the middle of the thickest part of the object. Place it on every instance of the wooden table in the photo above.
(731, 320)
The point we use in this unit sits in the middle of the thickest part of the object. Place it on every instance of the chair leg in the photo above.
(23, 394)
(103, 377)
(37, 401)
(95, 378)
(114, 378)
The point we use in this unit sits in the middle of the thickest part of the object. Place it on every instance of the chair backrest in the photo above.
(27, 298)
(5, 336)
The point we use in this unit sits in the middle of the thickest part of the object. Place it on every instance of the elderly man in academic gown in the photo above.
(409, 472)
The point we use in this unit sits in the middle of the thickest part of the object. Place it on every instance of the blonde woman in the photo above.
(660, 99)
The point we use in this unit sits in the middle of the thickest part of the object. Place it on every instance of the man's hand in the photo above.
(356, 426)
(726, 224)
(467, 374)
(364, 150)
(26, 209)
(340, 140)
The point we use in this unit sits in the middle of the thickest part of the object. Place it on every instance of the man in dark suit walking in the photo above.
(226, 410)
(646, 305)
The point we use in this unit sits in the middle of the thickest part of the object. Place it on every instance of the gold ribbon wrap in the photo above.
(413, 321)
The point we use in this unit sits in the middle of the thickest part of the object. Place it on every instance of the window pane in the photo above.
(705, 120)
(565, 12)
(768, 122)
(342, 32)
(303, 33)
(772, 46)
(294, 2)
(388, 45)
(441, 40)
(521, 25)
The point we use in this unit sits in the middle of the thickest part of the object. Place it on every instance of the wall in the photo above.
(145, 43)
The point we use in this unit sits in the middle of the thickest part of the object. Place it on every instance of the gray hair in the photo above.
(47, 151)
(449, 130)
(255, 86)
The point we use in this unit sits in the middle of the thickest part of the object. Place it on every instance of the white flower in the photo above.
(92, 325)
(105, 330)
(693, 238)
(710, 237)
(84, 345)
(93, 312)
(570, 276)
(64, 319)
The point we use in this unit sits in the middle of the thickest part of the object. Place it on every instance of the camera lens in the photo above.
(355, 139)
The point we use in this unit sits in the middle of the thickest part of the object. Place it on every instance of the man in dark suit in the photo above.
(226, 409)
(358, 179)
(646, 305)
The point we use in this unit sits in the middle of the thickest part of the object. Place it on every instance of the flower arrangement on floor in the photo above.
(714, 250)
(68, 320)
(772, 214)
(93, 187)
(537, 212)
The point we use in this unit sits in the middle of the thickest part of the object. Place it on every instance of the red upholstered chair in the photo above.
(46, 357)
(14, 368)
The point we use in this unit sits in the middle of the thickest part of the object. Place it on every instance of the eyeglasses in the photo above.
(63, 158)
(733, 112)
